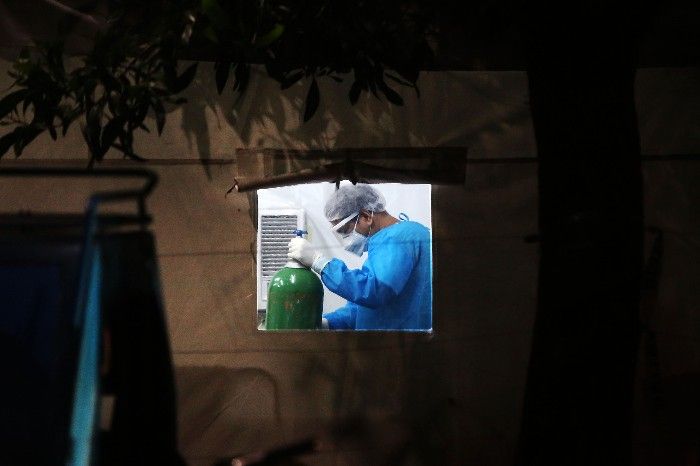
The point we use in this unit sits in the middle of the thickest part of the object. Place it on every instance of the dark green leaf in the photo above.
(66, 120)
(169, 76)
(185, 79)
(44, 112)
(112, 105)
(38, 77)
(10, 102)
(210, 34)
(403, 82)
(274, 69)
(23, 65)
(424, 55)
(92, 131)
(242, 77)
(52, 132)
(126, 146)
(408, 72)
(312, 99)
(91, 149)
(390, 94)
(83, 88)
(355, 90)
(216, 15)
(140, 114)
(124, 142)
(160, 92)
(372, 87)
(290, 79)
(134, 156)
(54, 60)
(94, 121)
(110, 82)
(7, 141)
(111, 131)
(160, 114)
(222, 70)
(270, 36)
(26, 103)
(26, 135)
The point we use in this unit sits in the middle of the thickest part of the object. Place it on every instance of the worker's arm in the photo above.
(342, 318)
(380, 280)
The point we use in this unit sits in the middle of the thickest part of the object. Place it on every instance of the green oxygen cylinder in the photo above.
(294, 298)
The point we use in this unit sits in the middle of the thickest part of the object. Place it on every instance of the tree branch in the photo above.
(78, 14)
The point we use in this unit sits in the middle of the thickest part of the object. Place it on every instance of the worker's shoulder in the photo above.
(408, 228)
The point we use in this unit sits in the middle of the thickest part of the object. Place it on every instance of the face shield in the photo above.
(350, 238)
(341, 229)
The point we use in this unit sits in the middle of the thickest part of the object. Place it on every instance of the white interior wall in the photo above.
(414, 200)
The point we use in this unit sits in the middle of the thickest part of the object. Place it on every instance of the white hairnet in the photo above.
(348, 200)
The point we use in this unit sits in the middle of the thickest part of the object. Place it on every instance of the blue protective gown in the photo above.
(393, 289)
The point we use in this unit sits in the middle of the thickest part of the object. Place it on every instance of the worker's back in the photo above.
(412, 307)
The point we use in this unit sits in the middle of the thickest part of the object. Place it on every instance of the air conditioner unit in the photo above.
(275, 229)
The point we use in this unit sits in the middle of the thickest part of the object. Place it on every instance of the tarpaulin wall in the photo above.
(454, 398)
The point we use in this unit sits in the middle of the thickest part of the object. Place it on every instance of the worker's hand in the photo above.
(305, 253)
(302, 251)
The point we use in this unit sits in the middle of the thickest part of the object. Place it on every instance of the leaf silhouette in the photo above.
(312, 99)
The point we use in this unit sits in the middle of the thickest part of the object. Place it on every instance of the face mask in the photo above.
(355, 242)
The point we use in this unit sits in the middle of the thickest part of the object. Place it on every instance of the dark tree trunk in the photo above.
(578, 400)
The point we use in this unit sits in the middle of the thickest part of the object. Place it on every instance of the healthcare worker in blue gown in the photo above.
(393, 289)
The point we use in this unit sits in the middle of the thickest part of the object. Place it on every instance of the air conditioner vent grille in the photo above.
(275, 233)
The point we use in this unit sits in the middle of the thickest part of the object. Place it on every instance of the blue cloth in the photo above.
(393, 290)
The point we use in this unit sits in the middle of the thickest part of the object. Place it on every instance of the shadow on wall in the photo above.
(225, 409)
(401, 405)
(232, 412)
(491, 114)
(668, 425)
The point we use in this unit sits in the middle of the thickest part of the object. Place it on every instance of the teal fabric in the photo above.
(393, 289)
(83, 425)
